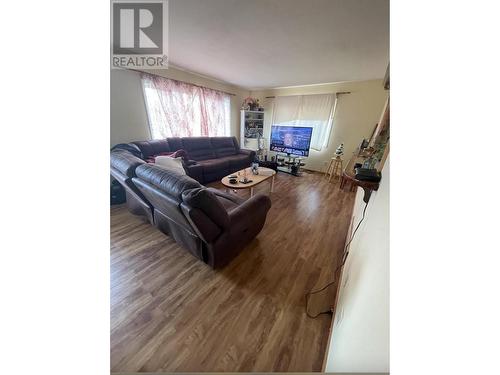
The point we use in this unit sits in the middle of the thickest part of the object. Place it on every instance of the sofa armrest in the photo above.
(250, 153)
(124, 162)
(130, 147)
(249, 213)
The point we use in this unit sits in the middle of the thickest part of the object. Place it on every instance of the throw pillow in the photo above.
(177, 154)
(170, 163)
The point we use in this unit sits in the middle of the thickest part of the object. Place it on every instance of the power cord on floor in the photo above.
(344, 259)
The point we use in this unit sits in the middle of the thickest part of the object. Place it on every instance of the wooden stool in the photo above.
(335, 168)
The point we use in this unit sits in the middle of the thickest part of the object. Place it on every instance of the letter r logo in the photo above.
(137, 28)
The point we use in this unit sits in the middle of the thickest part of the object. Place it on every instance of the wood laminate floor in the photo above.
(171, 312)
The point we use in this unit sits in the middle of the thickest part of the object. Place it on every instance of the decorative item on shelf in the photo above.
(369, 163)
(378, 150)
(250, 104)
(362, 146)
(367, 152)
(340, 150)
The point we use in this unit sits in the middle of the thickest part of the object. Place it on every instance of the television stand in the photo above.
(290, 164)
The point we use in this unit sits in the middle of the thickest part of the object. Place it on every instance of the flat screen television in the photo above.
(292, 140)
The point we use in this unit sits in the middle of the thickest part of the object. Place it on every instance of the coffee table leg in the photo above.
(272, 184)
(251, 192)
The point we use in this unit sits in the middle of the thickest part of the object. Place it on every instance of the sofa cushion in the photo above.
(198, 148)
(170, 182)
(239, 161)
(170, 163)
(207, 202)
(153, 147)
(212, 165)
(224, 146)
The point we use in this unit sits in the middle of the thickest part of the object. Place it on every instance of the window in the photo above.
(314, 111)
(179, 109)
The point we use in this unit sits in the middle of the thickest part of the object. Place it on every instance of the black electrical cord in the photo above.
(344, 259)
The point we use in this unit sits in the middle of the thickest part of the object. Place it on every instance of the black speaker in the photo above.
(364, 174)
(117, 193)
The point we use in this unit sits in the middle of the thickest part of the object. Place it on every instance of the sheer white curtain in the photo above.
(314, 111)
(179, 109)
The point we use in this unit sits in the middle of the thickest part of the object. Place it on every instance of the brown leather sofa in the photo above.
(212, 225)
(123, 165)
(211, 158)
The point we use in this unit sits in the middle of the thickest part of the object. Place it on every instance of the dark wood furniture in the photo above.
(268, 164)
(378, 147)
(348, 177)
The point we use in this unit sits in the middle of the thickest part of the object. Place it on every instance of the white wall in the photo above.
(129, 120)
(356, 115)
(360, 335)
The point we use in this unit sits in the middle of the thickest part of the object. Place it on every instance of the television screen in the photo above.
(292, 140)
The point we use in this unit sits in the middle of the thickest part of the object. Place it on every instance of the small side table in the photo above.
(349, 177)
(367, 186)
(334, 168)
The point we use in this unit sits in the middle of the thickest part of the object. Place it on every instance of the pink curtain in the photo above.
(179, 109)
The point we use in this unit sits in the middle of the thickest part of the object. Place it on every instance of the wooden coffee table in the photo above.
(256, 179)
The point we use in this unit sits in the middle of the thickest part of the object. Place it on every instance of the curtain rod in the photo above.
(337, 93)
(189, 83)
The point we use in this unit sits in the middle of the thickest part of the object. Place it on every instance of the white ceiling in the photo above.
(276, 43)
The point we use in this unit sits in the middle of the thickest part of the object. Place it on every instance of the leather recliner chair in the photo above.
(123, 166)
(212, 225)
